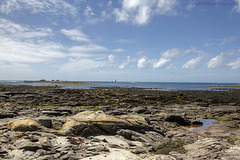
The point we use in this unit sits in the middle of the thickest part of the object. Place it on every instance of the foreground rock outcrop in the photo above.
(96, 135)
(47, 123)
(90, 123)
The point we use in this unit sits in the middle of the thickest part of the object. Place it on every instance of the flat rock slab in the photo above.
(115, 154)
(206, 148)
(88, 123)
(113, 141)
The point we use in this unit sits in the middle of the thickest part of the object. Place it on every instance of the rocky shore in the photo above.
(46, 123)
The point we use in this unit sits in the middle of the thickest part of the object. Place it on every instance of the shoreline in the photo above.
(113, 96)
(94, 85)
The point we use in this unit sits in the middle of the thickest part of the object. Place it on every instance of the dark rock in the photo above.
(132, 135)
(178, 119)
(7, 114)
(27, 144)
(148, 121)
(45, 121)
(139, 151)
(64, 110)
(140, 110)
(3, 152)
(58, 122)
(52, 113)
(197, 122)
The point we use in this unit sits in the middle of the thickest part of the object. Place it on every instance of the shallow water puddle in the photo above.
(206, 123)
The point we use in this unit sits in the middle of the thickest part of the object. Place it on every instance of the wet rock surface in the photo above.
(117, 123)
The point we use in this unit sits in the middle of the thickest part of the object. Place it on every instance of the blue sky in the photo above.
(127, 40)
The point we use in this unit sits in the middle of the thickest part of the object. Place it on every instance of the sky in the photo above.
(124, 40)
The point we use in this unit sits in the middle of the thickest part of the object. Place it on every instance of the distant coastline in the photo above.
(61, 82)
(164, 86)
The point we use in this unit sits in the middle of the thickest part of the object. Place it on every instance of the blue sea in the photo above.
(164, 86)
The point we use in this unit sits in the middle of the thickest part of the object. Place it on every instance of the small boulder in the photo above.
(24, 125)
(197, 122)
(45, 121)
(178, 119)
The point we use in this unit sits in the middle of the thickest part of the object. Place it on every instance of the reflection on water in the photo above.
(206, 123)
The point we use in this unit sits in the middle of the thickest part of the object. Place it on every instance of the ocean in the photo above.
(164, 86)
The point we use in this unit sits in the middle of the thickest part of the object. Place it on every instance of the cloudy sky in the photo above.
(127, 40)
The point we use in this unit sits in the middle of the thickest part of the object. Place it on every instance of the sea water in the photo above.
(164, 86)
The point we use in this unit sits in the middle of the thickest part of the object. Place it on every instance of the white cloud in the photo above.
(194, 50)
(119, 50)
(24, 48)
(216, 61)
(87, 48)
(22, 44)
(20, 32)
(193, 63)
(109, 3)
(190, 6)
(142, 63)
(75, 34)
(207, 44)
(26, 45)
(140, 52)
(171, 53)
(128, 41)
(81, 55)
(126, 63)
(234, 64)
(105, 14)
(228, 40)
(59, 7)
(111, 58)
(162, 63)
(236, 8)
(171, 66)
(76, 65)
(166, 57)
(140, 11)
(89, 12)
(27, 52)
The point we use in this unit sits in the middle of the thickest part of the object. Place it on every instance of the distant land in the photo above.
(61, 82)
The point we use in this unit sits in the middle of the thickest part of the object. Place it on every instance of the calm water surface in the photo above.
(165, 86)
